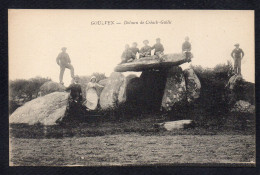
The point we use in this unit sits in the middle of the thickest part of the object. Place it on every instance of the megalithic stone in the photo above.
(122, 95)
(175, 88)
(46, 110)
(109, 95)
(193, 85)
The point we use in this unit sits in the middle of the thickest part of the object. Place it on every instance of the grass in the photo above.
(233, 123)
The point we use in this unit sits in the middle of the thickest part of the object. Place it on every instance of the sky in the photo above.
(36, 38)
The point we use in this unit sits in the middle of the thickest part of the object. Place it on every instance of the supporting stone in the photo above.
(193, 85)
(109, 95)
(175, 89)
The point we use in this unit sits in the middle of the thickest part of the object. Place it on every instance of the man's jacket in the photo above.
(236, 53)
(63, 58)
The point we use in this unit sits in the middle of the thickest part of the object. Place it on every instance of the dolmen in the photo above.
(153, 62)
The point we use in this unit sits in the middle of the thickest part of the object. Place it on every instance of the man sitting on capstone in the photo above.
(186, 48)
(127, 55)
(146, 50)
(158, 48)
(63, 60)
(134, 48)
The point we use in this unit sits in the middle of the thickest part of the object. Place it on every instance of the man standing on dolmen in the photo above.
(158, 48)
(186, 48)
(127, 56)
(237, 54)
(63, 60)
(146, 50)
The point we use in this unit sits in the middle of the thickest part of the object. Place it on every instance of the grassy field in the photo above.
(133, 149)
(134, 141)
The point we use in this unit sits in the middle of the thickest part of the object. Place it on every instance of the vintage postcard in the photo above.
(131, 87)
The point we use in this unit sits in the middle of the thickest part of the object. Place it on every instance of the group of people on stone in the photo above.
(129, 54)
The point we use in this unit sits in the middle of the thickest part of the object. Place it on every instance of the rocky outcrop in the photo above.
(233, 81)
(193, 85)
(239, 89)
(153, 63)
(46, 110)
(175, 89)
(51, 86)
(244, 107)
(109, 95)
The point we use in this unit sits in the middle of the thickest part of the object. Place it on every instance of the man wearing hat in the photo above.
(237, 54)
(158, 48)
(63, 60)
(146, 50)
(186, 48)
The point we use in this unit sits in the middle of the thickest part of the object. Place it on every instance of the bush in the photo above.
(22, 90)
(213, 98)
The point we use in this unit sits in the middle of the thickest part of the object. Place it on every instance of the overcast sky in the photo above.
(36, 37)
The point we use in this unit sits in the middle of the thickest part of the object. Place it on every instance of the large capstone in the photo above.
(46, 110)
(175, 89)
(153, 63)
(109, 95)
(193, 85)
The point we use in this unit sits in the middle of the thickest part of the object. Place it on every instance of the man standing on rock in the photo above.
(186, 48)
(237, 54)
(146, 50)
(127, 55)
(63, 60)
(158, 48)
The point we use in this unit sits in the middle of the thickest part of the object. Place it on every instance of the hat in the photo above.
(93, 77)
(63, 48)
(236, 44)
(145, 41)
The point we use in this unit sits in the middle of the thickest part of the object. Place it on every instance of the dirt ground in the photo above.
(132, 149)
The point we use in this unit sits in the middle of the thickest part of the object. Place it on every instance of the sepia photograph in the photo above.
(131, 87)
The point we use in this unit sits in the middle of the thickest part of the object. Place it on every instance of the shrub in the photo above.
(213, 99)
(22, 90)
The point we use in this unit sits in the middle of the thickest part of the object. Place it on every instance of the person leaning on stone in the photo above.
(158, 48)
(237, 54)
(127, 55)
(134, 48)
(186, 48)
(145, 50)
(63, 60)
